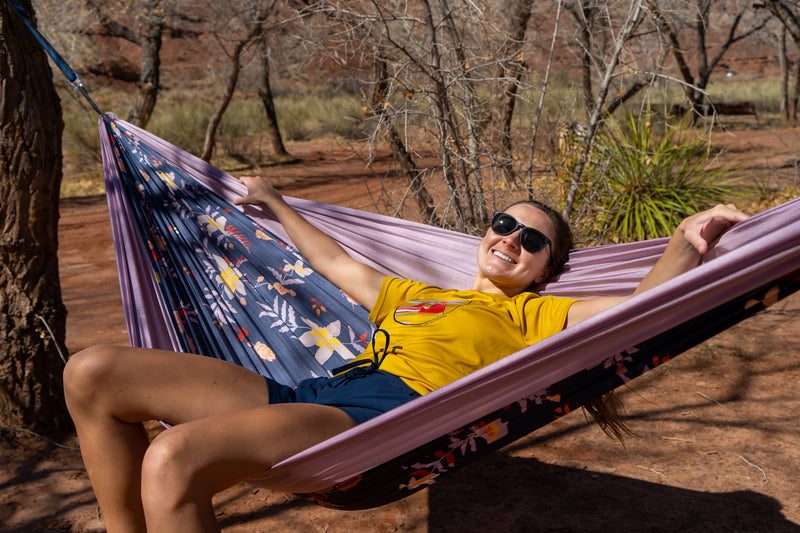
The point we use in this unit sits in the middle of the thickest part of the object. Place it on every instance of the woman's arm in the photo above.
(361, 282)
(692, 239)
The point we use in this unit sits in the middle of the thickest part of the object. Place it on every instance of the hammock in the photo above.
(202, 275)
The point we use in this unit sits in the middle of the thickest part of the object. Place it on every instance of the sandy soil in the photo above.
(717, 444)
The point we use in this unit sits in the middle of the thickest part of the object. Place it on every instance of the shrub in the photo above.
(651, 183)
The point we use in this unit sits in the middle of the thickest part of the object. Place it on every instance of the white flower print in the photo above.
(325, 338)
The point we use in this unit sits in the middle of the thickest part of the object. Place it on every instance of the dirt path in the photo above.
(717, 445)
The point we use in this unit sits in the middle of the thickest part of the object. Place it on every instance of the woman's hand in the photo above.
(259, 192)
(324, 254)
(702, 230)
(692, 239)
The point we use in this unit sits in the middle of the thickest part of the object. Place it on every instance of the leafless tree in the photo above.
(144, 27)
(453, 74)
(235, 56)
(629, 21)
(790, 70)
(265, 93)
(246, 24)
(32, 316)
(699, 17)
(788, 14)
(510, 70)
(436, 72)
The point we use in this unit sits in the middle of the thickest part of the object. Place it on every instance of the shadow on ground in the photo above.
(550, 498)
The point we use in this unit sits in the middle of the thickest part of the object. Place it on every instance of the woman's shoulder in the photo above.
(526, 299)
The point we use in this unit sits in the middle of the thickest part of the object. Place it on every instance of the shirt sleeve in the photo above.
(544, 316)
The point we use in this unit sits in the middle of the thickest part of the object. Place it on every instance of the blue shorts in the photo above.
(361, 393)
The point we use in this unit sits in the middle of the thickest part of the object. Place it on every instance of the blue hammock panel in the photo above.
(236, 291)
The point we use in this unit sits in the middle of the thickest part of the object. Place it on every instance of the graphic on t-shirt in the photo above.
(420, 312)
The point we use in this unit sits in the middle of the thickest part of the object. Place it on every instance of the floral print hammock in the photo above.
(227, 284)
(236, 290)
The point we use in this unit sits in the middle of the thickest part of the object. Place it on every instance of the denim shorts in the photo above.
(361, 393)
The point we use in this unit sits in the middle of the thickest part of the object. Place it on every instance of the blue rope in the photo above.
(71, 75)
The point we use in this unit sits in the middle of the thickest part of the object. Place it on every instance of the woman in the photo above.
(167, 484)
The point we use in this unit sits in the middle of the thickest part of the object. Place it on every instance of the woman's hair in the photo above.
(604, 410)
(564, 239)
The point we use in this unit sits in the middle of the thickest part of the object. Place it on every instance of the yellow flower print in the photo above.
(169, 179)
(211, 224)
(492, 431)
(325, 338)
(429, 478)
(298, 268)
(230, 278)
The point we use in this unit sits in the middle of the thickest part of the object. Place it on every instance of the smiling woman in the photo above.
(512, 255)
(427, 338)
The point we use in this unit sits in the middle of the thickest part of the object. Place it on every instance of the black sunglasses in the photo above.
(532, 240)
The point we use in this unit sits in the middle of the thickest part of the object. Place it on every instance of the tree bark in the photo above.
(783, 61)
(795, 92)
(149, 40)
(510, 70)
(30, 179)
(413, 174)
(149, 80)
(265, 92)
(584, 16)
(233, 79)
(788, 15)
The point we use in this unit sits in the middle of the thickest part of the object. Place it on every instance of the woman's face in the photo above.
(504, 264)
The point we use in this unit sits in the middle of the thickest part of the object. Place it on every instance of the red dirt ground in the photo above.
(717, 445)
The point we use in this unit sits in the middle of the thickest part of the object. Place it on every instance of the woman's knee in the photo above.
(168, 471)
(87, 373)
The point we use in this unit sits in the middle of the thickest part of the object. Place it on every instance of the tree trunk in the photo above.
(783, 61)
(375, 101)
(510, 70)
(795, 92)
(151, 19)
(584, 16)
(149, 79)
(633, 20)
(30, 179)
(265, 92)
(233, 79)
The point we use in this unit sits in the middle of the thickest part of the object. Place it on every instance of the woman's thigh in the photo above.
(218, 451)
(135, 384)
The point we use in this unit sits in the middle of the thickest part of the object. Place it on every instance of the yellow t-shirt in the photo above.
(438, 336)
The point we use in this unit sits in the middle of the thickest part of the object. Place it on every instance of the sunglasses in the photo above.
(532, 240)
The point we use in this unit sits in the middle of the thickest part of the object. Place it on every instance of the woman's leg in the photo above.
(189, 463)
(110, 390)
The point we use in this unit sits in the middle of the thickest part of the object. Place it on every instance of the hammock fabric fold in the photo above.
(202, 275)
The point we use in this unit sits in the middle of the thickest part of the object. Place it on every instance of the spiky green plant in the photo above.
(655, 180)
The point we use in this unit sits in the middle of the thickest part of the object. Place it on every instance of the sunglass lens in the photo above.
(504, 224)
(532, 240)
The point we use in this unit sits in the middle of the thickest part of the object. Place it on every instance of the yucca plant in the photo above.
(653, 181)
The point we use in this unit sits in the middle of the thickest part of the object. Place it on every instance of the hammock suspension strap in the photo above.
(70, 74)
